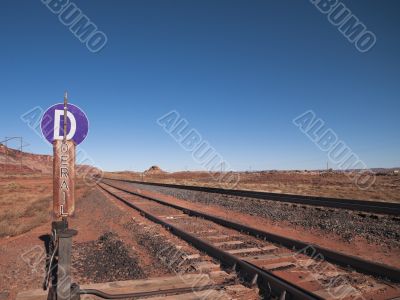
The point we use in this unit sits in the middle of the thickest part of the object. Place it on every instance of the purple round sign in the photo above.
(52, 123)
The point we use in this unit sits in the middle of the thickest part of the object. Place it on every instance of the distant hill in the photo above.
(154, 170)
(14, 161)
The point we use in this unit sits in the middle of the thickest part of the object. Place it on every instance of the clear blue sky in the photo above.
(238, 71)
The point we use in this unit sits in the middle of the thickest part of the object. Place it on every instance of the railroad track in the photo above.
(282, 268)
(375, 207)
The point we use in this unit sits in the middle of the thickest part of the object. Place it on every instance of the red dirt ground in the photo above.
(327, 184)
(94, 218)
(22, 256)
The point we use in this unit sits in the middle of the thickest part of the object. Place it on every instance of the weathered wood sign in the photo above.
(63, 178)
(65, 126)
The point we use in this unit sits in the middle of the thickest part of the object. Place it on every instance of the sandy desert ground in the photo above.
(328, 184)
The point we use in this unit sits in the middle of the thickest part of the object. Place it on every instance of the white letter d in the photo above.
(57, 122)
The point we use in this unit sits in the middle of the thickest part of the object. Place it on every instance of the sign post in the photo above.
(64, 134)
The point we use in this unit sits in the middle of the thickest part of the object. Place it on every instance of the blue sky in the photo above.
(238, 71)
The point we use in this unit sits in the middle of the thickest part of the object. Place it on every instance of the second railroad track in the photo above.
(376, 207)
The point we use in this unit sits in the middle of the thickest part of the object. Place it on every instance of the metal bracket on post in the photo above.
(62, 239)
(64, 280)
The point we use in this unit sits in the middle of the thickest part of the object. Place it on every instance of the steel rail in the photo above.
(105, 295)
(265, 279)
(359, 264)
(376, 207)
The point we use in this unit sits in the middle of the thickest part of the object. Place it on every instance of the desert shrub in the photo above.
(6, 229)
(15, 222)
(13, 186)
(37, 207)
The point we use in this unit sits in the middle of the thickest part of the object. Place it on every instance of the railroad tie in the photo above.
(284, 265)
(228, 243)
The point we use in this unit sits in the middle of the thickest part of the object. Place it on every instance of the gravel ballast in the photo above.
(107, 259)
(347, 224)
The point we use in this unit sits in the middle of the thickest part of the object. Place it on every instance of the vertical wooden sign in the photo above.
(64, 178)
(64, 135)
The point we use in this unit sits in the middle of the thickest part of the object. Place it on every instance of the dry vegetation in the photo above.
(327, 184)
(25, 202)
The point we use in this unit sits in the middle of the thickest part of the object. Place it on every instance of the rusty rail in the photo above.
(146, 294)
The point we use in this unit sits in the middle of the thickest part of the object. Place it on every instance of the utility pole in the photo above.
(22, 147)
(5, 143)
(5, 166)
(20, 166)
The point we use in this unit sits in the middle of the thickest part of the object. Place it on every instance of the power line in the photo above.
(21, 146)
